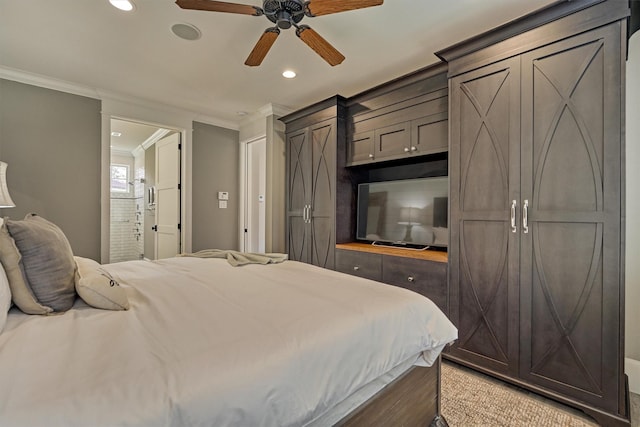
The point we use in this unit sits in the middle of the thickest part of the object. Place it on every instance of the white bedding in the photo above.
(205, 343)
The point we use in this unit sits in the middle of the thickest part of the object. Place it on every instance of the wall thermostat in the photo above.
(223, 195)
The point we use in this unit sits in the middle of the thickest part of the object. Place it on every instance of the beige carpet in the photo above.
(472, 399)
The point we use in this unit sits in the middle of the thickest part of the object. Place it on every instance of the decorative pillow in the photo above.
(5, 298)
(440, 236)
(20, 293)
(97, 288)
(47, 262)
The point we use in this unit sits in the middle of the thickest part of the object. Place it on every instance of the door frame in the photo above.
(242, 167)
(173, 120)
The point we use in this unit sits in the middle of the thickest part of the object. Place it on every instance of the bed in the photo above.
(205, 343)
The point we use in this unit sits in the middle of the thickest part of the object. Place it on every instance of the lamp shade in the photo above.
(5, 198)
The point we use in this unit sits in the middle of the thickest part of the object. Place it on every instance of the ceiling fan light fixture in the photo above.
(126, 5)
(288, 74)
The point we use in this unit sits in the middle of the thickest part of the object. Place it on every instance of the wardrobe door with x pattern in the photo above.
(484, 180)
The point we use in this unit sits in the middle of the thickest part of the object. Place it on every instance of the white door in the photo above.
(167, 232)
(255, 212)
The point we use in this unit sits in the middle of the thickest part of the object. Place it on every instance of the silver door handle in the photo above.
(304, 213)
(514, 229)
(308, 213)
(525, 217)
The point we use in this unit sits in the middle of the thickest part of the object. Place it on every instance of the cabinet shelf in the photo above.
(428, 255)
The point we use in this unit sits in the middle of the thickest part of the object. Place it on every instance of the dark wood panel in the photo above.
(361, 264)
(298, 194)
(424, 277)
(430, 134)
(571, 268)
(484, 182)
(361, 148)
(412, 400)
(391, 141)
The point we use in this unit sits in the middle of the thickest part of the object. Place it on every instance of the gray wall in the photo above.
(51, 141)
(214, 168)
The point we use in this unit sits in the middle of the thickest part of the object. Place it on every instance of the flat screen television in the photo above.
(410, 213)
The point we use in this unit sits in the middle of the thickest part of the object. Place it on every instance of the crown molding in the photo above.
(274, 109)
(155, 137)
(47, 82)
(39, 80)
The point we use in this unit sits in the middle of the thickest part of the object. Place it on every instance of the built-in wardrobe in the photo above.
(536, 172)
(535, 159)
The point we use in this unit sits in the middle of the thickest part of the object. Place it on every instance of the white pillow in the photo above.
(97, 288)
(5, 298)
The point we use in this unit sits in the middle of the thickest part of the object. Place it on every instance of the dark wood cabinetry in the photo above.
(424, 272)
(528, 118)
(315, 149)
(401, 119)
(535, 169)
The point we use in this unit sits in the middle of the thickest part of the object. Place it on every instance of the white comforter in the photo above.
(205, 343)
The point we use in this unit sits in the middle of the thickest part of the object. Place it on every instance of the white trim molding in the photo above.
(632, 369)
(47, 82)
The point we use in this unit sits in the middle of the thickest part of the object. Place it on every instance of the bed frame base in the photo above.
(413, 399)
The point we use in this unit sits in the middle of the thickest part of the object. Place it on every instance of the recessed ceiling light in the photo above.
(241, 113)
(126, 5)
(289, 74)
(116, 134)
(186, 31)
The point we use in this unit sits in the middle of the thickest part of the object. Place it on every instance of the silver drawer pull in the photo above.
(525, 217)
(406, 149)
(513, 216)
(356, 268)
(414, 148)
(371, 156)
(410, 279)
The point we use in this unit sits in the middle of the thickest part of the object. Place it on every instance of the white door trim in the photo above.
(183, 123)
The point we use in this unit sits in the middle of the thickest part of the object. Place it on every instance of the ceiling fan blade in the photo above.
(220, 6)
(319, 45)
(261, 48)
(326, 7)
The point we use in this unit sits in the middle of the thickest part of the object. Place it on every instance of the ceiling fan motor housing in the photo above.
(284, 13)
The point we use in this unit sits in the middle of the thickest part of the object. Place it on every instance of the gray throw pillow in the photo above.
(46, 261)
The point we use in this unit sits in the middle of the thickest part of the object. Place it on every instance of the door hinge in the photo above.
(179, 186)
(246, 231)
(179, 227)
(180, 146)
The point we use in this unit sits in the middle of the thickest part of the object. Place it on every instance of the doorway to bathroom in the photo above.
(135, 181)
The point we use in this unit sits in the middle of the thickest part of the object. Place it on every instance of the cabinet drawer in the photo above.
(360, 264)
(427, 278)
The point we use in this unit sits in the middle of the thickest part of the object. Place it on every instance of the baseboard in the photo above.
(632, 369)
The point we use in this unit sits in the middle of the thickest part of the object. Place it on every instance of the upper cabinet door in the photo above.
(484, 182)
(571, 178)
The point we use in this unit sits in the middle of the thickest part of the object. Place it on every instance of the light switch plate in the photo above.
(222, 204)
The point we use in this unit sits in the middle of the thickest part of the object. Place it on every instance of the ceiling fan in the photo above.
(285, 14)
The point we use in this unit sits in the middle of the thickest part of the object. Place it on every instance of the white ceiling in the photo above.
(90, 43)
